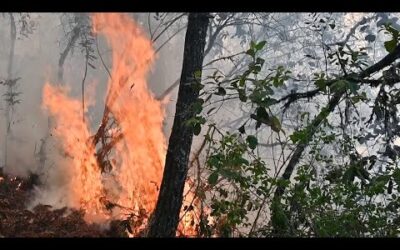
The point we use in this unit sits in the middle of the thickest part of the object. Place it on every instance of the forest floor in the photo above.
(42, 221)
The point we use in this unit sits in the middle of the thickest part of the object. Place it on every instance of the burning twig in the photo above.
(104, 152)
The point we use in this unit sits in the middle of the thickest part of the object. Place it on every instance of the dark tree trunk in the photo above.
(165, 219)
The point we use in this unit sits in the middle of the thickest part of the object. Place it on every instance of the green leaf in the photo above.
(234, 83)
(268, 102)
(258, 125)
(278, 217)
(221, 91)
(242, 129)
(214, 161)
(213, 178)
(197, 129)
(227, 174)
(339, 86)
(362, 173)
(390, 45)
(198, 106)
(201, 119)
(242, 81)
(195, 123)
(349, 174)
(260, 61)
(299, 136)
(197, 86)
(353, 86)
(252, 141)
(251, 52)
(256, 69)
(394, 32)
(257, 97)
(396, 176)
(197, 74)
(241, 161)
(275, 125)
(242, 95)
(260, 45)
(320, 83)
(262, 115)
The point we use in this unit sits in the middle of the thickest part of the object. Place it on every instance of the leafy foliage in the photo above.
(335, 190)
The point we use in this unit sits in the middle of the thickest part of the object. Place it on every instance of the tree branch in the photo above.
(312, 128)
(384, 62)
(64, 54)
(364, 20)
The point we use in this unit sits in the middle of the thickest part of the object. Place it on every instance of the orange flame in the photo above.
(139, 115)
(138, 158)
(84, 178)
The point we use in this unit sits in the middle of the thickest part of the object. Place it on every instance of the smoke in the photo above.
(32, 57)
(31, 147)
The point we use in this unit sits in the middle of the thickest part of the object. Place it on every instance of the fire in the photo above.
(84, 186)
(139, 115)
(137, 159)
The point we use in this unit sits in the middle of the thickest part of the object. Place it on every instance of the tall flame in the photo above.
(80, 165)
(138, 158)
(139, 115)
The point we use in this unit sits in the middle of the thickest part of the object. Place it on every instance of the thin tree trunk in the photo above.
(312, 128)
(384, 62)
(13, 37)
(64, 54)
(310, 131)
(165, 219)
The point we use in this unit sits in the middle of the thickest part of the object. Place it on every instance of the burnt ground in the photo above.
(43, 221)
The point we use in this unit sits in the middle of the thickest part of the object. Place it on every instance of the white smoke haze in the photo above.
(35, 62)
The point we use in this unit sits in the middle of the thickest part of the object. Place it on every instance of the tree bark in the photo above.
(13, 37)
(64, 54)
(165, 218)
(310, 131)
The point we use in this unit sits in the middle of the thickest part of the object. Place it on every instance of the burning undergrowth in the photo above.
(42, 220)
(113, 173)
